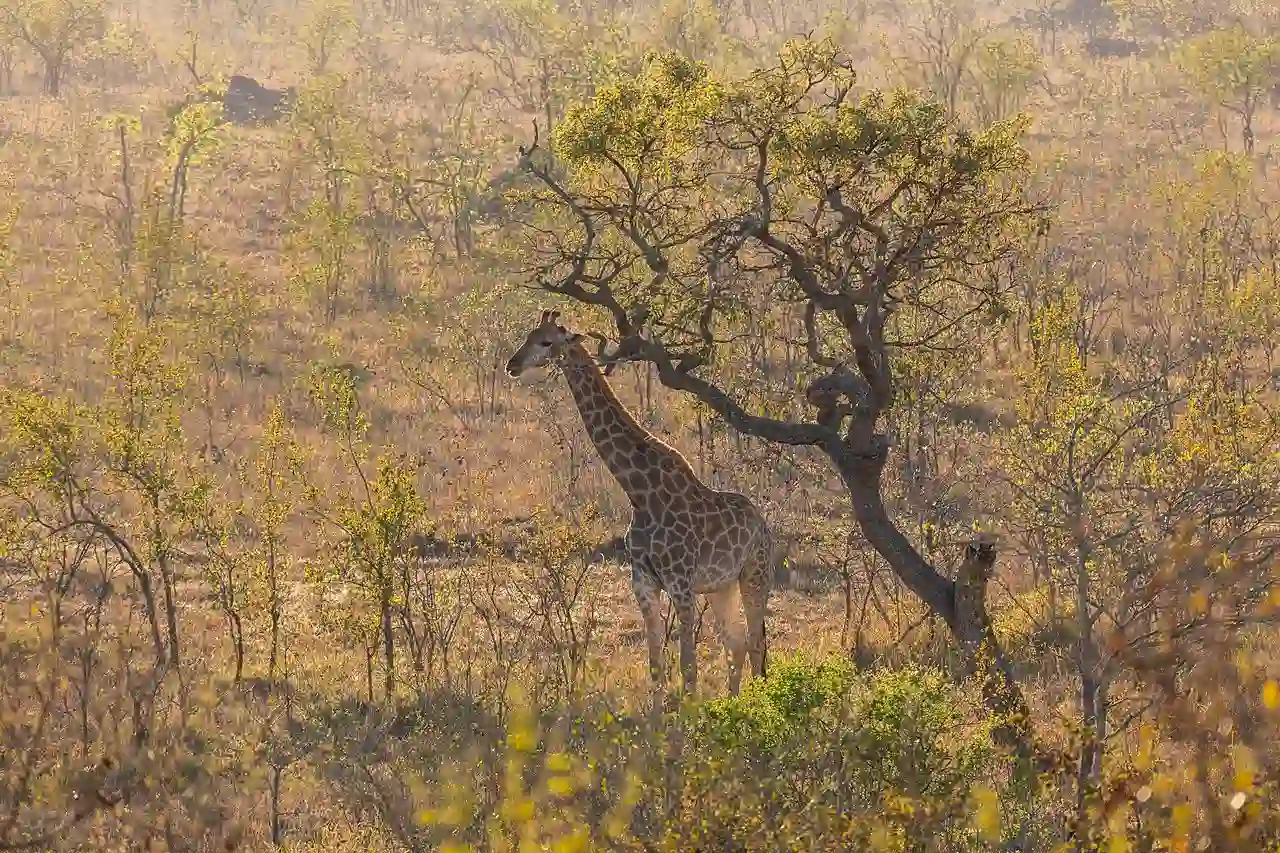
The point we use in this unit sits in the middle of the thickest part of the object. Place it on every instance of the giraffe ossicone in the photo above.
(686, 538)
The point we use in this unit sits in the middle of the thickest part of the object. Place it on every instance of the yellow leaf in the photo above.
(522, 739)
(1182, 821)
(1146, 745)
(517, 809)
(1271, 695)
(561, 786)
(1118, 844)
(575, 842)
(986, 817)
(456, 847)
(1246, 768)
(881, 839)
(1244, 663)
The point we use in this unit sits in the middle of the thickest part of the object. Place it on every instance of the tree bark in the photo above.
(388, 644)
(273, 592)
(52, 73)
(961, 603)
(170, 610)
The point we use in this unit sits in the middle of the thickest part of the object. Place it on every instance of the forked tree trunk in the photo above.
(6, 70)
(53, 63)
(962, 603)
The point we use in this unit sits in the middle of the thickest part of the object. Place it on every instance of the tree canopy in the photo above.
(860, 223)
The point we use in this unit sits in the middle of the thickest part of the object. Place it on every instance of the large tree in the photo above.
(54, 29)
(1237, 69)
(774, 246)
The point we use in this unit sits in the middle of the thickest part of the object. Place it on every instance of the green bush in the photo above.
(770, 711)
(910, 733)
(864, 746)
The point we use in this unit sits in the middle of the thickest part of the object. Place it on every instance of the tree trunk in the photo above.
(235, 629)
(1090, 767)
(277, 834)
(6, 70)
(170, 610)
(153, 616)
(961, 603)
(52, 74)
(273, 594)
(388, 645)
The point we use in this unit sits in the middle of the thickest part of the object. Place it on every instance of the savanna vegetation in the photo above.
(977, 301)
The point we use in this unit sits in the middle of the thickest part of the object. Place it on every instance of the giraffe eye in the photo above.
(544, 343)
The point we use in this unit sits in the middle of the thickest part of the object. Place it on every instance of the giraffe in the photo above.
(685, 538)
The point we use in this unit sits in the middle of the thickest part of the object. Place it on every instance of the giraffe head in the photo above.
(545, 343)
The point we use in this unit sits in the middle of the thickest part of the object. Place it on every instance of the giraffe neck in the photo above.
(634, 456)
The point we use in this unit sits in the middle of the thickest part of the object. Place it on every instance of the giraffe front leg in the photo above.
(726, 604)
(687, 614)
(649, 599)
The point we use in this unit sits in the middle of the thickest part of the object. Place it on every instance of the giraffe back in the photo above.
(698, 541)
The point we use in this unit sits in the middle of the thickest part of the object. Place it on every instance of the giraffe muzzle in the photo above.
(513, 370)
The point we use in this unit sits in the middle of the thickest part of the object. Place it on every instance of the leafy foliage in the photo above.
(54, 29)
(1238, 68)
(779, 709)
(899, 730)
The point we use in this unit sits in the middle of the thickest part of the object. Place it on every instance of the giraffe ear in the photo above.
(555, 315)
(546, 315)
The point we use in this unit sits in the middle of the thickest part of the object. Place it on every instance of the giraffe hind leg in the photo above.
(726, 605)
(756, 584)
